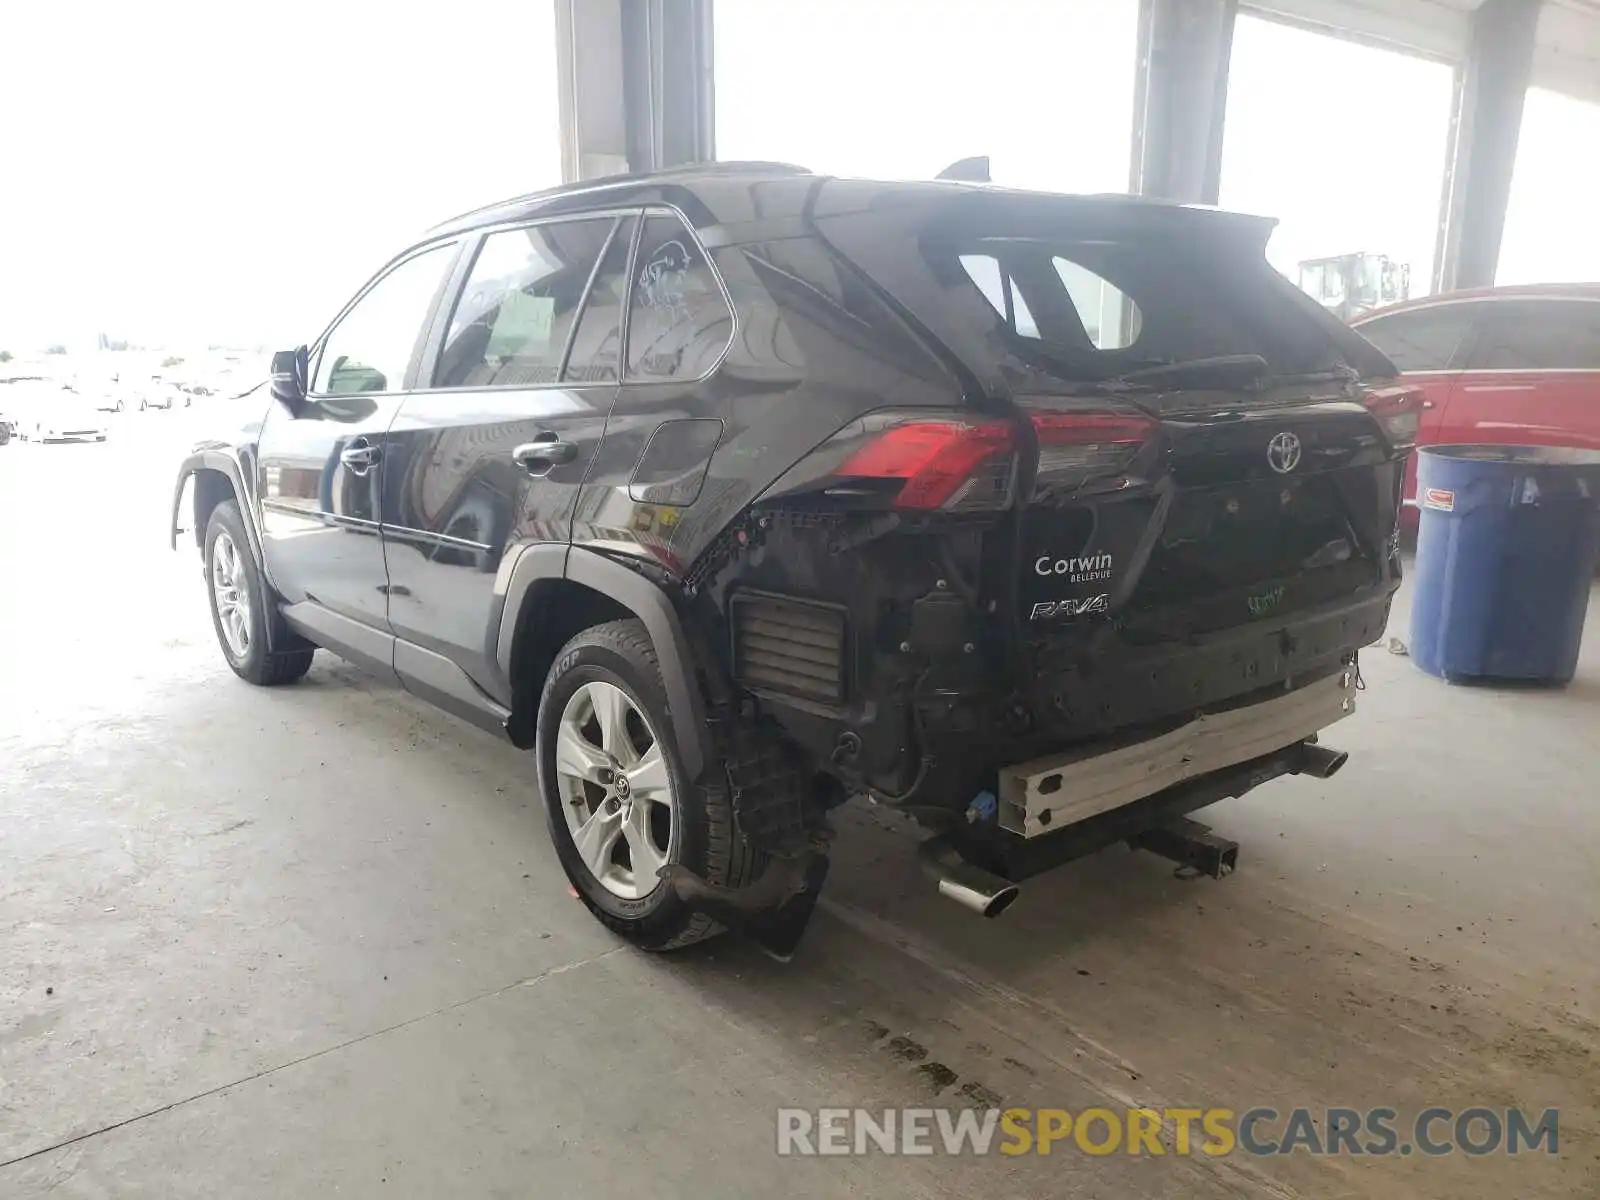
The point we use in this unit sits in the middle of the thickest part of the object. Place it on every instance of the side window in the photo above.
(597, 344)
(1424, 340)
(678, 321)
(372, 346)
(510, 325)
(1531, 335)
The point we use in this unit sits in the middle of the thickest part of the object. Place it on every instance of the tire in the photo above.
(250, 658)
(704, 838)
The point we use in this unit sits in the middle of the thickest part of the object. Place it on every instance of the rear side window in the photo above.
(1532, 335)
(510, 326)
(1425, 339)
(679, 322)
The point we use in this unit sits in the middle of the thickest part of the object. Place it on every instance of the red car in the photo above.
(1513, 365)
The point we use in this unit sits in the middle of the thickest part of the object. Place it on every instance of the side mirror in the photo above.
(288, 380)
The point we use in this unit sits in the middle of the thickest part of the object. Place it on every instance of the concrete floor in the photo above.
(314, 940)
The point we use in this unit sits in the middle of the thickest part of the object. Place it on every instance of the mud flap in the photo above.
(773, 911)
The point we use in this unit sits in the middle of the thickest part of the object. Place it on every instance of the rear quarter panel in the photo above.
(812, 350)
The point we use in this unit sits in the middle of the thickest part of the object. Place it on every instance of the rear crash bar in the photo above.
(995, 859)
(1041, 796)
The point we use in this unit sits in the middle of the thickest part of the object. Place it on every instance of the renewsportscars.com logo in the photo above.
(1160, 1131)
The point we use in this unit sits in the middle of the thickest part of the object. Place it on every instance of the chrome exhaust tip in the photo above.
(975, 889)
(1319, 761)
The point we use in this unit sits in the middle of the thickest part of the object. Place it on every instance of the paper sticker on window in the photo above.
(522, 326)
(1439, 498)
(662, 283)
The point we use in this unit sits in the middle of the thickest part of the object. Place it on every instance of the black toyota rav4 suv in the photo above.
(738, 491)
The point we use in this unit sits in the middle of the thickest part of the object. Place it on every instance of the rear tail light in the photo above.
(971, 466)
(950, 465)
(1077, 447)
(943, 464)
(1399, 411)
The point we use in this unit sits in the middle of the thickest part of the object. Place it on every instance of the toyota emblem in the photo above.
(1283, 453)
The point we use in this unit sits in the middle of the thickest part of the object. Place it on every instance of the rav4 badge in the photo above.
(1071, 607)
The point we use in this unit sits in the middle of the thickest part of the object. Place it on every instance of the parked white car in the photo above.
(65, 419)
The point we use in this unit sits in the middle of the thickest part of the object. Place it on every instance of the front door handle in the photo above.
(1427, 404)
(360, 456)
(544, 453)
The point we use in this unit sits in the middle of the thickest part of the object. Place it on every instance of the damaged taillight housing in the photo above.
(948, 465)
(1399, 411)
(957, 465)
(1075, 447)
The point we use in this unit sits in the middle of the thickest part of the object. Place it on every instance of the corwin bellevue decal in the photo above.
(1087, 568)
(1071, 607)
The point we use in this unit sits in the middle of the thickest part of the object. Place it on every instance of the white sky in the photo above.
(175, 171)
(179, 170)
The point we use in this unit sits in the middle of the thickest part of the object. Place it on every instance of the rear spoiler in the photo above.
(968, 170)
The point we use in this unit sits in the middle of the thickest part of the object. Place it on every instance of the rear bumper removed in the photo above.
(1010, 859)
(1044, 795)
(1103, 690)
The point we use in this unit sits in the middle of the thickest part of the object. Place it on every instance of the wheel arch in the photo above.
(211, 488)
(217, 476)
(554, 593)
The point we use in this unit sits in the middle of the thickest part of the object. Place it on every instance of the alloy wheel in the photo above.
(616, 790)
(230, 589)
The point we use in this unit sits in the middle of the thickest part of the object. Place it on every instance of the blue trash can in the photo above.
(1506, 555)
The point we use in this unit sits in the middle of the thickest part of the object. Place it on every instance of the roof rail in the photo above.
(730, 167)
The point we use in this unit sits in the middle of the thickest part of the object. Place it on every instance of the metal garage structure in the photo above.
(637, 81)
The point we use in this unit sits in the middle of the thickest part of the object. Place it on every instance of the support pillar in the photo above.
(635, 80)
(1490, 86)
(1180, 96)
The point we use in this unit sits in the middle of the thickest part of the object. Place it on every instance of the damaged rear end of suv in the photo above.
(1110, 559)
(735, 491)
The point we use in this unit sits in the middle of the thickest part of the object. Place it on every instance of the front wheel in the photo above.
(617, 802)
(241, 607)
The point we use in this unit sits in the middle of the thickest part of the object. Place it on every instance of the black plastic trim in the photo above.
(648, 602)
(441, 682)
(348, 638)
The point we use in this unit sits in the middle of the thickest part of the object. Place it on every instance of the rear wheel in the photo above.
(617, 802)
(241, 607)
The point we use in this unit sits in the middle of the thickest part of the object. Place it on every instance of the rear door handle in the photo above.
(544, 453)
(361, 456)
